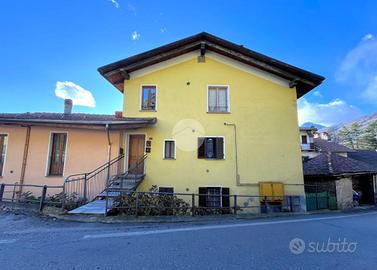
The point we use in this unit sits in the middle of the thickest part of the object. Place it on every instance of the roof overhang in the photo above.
(117, 72)
(94, 125)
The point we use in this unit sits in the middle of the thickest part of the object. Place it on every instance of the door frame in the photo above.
(128, 147)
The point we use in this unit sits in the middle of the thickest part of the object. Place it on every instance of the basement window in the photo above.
(211, 147)
(3, 150)
(214, 197)
(148, 98)
(166, 190)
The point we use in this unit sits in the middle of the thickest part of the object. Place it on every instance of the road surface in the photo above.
(327, 241)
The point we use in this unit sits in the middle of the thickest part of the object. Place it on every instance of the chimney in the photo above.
(68, 106)
(118, 115)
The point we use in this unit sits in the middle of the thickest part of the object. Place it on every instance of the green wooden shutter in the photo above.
(225, 197)
(201, 147)
(202, 197)
(219, 148)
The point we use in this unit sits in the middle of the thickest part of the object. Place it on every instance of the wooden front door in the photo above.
(136, 147)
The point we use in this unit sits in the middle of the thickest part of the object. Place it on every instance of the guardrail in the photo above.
(157, 203)
(11, 193)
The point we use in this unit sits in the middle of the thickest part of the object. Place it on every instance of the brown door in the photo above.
(135, 154)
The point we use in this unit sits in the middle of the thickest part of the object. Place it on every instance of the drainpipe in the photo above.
(109, 142)
(238, 177)
(108, 149)
(24, 159)
(236, 151)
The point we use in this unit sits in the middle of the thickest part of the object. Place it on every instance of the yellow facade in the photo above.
(263, 109)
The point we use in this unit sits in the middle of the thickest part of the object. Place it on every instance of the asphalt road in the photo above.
(337, 241)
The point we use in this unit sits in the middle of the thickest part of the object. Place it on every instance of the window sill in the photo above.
(57, 175)
(212, 158)
(169, 159)
(147, 110)
(218, 112)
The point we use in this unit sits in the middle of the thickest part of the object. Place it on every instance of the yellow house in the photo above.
(211, 117)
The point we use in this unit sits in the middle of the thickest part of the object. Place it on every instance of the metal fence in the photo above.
(157, 203)
(35, 194)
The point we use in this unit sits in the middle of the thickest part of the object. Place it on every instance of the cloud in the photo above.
(317, 94)
(327, 114)
(116, 4)
(131, 8)
(79, 95)
(135, 35)
(359, 68)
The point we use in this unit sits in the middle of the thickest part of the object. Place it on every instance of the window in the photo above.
(218, 99)
(211, 148)
(3, 150)
(166, 190)
(214, 197)
(57, 153)
(304, 139)
(169, 149)
(148, 98)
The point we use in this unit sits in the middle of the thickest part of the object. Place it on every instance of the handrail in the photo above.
(84, 186)
(136, 165)
(93, 172)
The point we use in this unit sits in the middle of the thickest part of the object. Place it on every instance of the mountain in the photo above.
(311, 124)
(362, 121)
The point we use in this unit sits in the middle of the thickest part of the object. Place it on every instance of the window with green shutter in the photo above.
(211, 147)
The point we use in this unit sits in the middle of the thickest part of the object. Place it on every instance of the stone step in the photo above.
(97, 207)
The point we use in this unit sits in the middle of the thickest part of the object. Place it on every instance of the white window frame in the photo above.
(47, 173)
(228, 96)
(223, 146)
(175, 149)
(141, 97)
(6, 143)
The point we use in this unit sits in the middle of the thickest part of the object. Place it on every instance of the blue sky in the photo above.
(51, 48)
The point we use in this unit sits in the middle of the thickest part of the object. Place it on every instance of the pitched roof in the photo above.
(74, 120)
(333, 147)
(118, 71)
(333, 165)
(366, 156)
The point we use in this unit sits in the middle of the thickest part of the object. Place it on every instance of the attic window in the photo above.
(148, 97)
(218, 99)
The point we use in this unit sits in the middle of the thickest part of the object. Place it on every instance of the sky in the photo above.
(50, 50)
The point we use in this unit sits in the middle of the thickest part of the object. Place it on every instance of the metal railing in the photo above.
(138, 167)
(35, 194)
(84, 187)
(157, 203)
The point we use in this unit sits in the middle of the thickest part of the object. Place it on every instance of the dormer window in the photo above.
(218, 99)
(148, 98)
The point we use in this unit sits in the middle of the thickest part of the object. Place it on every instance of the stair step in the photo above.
(96, 207)
(109, 194)
(126, 181)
